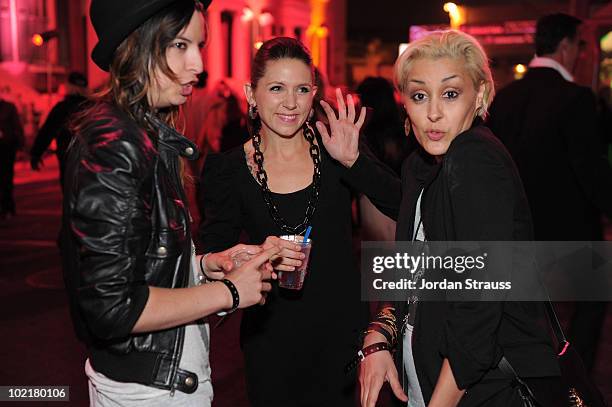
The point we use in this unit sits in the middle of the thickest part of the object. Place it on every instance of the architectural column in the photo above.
(336, 66)
(242, 48)
(579, 8)
(216, 49)
(317, 33)
(77, 15)
(14, 32)
(95, 75)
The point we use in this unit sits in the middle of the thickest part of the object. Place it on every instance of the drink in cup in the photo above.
(294, 280)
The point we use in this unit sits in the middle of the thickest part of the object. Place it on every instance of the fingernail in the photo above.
(303, 255)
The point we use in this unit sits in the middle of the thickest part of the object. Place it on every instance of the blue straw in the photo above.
(306, 235)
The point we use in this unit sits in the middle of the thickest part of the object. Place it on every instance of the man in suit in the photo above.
(549, 125)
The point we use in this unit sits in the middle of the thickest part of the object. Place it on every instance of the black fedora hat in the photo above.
(115, 20)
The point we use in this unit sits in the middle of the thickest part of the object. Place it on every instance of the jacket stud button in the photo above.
(189, 151)
(189, 382)
(161, 250)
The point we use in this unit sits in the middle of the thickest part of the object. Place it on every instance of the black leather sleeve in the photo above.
(108, 219)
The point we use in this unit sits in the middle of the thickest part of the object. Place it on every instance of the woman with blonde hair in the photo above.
(460, 185)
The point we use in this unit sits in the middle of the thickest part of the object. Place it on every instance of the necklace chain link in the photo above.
(262, 179)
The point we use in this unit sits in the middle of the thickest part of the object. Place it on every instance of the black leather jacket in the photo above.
(126, 227)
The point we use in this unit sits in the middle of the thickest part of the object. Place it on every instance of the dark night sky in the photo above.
(391, 19)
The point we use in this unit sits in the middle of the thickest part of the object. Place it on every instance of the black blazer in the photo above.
(549, 125)
(473, 194)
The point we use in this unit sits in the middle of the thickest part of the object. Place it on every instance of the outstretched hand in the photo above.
(374, 371)
(343, 142)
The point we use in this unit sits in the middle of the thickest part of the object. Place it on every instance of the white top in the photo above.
(415, 396)
(107, 392)
(544, 62)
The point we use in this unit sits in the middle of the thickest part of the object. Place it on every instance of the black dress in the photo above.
(296, 345)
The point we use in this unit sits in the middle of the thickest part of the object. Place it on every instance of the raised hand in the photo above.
(343, 142)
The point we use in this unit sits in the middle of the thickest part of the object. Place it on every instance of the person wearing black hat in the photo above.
(133, 278)
(57, 124)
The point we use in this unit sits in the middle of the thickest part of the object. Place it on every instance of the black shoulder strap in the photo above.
(527, 397)
(556, 327)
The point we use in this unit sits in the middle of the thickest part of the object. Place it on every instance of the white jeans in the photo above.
(104, 392)
(415, 397)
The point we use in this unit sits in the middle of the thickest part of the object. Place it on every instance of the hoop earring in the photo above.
(253, 112)
(407, 126)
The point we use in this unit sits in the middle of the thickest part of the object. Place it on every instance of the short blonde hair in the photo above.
(449, 44)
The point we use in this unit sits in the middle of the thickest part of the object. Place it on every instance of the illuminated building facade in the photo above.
(236, 28)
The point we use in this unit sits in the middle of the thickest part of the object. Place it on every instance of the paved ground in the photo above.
(38, 346)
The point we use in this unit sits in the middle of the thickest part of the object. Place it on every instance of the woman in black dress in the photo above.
(296, 345)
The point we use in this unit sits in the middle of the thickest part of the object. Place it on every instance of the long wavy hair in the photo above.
(137, 59)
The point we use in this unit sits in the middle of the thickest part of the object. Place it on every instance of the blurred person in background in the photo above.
(383, 129)
(234, 131)
(57, 125)
(384, 135)
(550, 126)
(11, 140)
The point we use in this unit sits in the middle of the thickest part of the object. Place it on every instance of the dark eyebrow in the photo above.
(283, 83)
(443, 80)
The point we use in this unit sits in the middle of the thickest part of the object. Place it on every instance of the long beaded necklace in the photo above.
(262, 178)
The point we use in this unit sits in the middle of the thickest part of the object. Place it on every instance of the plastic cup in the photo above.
(294, 280)
(241, 257)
